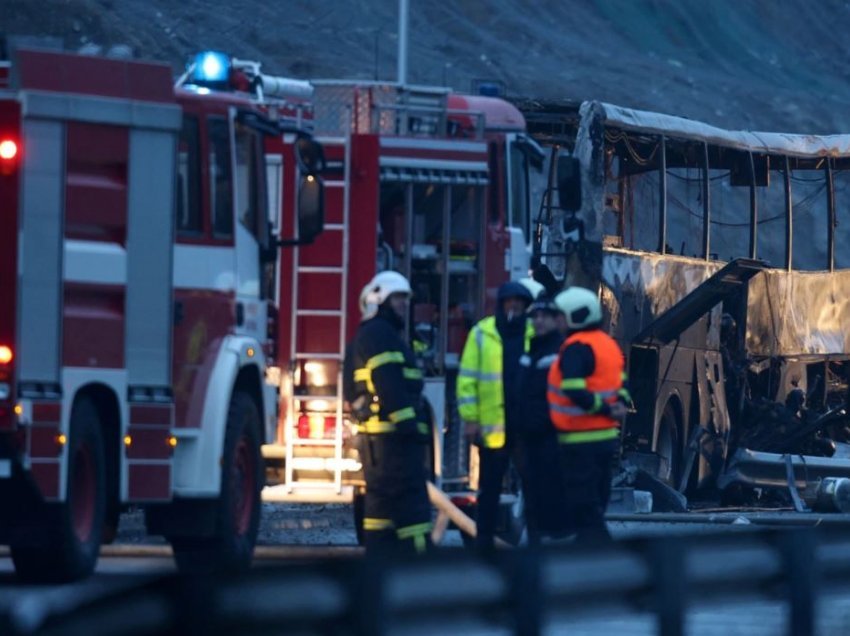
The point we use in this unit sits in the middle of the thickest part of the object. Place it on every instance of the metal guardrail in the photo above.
(518, 592)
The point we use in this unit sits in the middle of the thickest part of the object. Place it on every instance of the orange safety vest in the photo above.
(605, 381)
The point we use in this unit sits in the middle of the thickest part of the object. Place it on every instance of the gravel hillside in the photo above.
(751, 64)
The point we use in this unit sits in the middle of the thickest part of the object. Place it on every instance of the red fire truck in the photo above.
(434, 185)
(137, 274)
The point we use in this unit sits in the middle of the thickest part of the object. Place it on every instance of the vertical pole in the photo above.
(402, 41)
(706, 206)
(789, 220)
(444, 283)
(830, 216)
(377, 49)
(668, 567)
(754, 212)
(408, 254)
(368, 598)
(525, 575)
(662, 197)
(798, 555)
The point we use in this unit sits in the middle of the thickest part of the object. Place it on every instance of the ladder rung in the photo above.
(340, 227)
(327, 398)
(330, 464)
(312, 442)
(331, 313)
(317, 269)
(334, 183)
(318, 356)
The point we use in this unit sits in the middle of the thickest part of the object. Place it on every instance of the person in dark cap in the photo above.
(541, 484)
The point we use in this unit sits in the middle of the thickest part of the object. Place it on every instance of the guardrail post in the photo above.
(801, 578)
(368, 598)
(667, 562)
(527, 593)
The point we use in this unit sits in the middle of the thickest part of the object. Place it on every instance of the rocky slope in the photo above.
(734, 63)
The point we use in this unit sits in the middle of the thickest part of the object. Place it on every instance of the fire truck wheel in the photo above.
(238, 506)
(72, 530)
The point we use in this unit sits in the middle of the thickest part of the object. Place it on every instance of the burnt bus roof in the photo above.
(774, 143)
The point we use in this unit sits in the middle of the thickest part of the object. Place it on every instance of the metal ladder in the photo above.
(291, 439)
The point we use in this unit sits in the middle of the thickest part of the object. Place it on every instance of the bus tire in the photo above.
(68, 544)
(669, 446)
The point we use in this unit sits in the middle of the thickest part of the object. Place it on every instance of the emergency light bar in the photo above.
(210, 67)
(216, 70)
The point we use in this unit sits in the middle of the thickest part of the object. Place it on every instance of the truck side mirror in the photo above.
(311, 208)
(569, 183)
(310, 155)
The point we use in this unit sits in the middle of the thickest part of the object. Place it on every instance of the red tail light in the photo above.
(8, 155)
(8, 149)
(316, 426)
(304, 426)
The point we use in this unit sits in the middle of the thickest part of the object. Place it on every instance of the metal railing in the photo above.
(521, 592)
(343, 108)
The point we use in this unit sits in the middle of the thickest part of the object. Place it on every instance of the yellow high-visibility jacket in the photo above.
(480, 391)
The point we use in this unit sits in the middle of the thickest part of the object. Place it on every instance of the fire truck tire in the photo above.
(72, 530)
(237, 508)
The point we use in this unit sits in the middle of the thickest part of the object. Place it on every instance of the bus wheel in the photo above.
(68, 540)
(669, 447)
(237, 508)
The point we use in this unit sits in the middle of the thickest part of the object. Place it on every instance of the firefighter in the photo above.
(543, 495)
(384, 388)
(587, 401)
(486, 397)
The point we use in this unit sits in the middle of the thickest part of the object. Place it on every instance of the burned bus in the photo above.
(719, 259)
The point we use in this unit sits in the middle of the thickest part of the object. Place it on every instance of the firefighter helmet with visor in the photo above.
(379, 289)
(580, 306)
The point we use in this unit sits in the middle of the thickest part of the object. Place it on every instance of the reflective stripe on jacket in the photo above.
(604, 383)
(383, 383)
(480, 390)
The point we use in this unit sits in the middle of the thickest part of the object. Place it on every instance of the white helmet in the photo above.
(532, 286)
(580, 306)
(381, 287)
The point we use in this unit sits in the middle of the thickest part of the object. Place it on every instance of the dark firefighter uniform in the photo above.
(584, 381)
(541, 487)
(384, 387)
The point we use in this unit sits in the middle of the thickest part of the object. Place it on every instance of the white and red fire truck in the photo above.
(137, 274)
(430, 183)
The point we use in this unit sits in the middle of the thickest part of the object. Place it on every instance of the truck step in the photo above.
(319, 492)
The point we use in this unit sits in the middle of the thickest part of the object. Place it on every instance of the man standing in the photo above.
(383, 385)
(486, 397)
(587, 398)
(541, 486)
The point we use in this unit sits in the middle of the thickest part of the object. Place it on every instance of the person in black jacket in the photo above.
(541, 485)
(383, 386)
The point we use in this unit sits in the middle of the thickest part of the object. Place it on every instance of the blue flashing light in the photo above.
(211, 67)
(489, 89)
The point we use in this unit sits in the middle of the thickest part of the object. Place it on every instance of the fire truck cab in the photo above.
(137, 280)
(426, 182)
